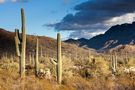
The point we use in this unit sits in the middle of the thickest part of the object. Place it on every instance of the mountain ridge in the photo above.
(117, 35)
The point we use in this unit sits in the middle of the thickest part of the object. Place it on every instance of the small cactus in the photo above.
(114, 63)
(20, 42)
(126, 58)
(36, 60)
(33, 59)
(30, 58)
(58, 62)
(41, 52)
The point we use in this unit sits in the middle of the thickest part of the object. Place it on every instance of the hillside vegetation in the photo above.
(89, 74)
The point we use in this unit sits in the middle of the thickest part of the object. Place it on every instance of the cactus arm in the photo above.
(53, 61)
(17, 46)
(18, 35)
(17, 41)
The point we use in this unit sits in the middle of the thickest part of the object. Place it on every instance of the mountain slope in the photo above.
(49, 45)
(116, 35)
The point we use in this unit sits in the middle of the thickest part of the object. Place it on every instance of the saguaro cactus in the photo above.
(58, 63)
(30, 58)
(36, 60)
(33, 59)
(114, 63)
(41, 52)
(20, 41)
(126, 58)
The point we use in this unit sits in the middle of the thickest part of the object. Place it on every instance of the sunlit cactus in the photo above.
(17, 42)
(36, 60)
(33, 57)
(20, 42)
(58, 62)
(41, 51)
(126, 58)
(30, 59)
(114, 63)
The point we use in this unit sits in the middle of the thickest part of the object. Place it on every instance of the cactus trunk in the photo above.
(33, 59)
(30, 59)
(23, 45)
(59, 61)
(114, 63)
(36, 61)
(41, 52)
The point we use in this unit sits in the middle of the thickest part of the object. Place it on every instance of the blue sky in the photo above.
(73, 18)
(38, 13)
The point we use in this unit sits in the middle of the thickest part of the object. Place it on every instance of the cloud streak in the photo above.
(24, 1)
(2, 1)
(13, 1)
(97, 15)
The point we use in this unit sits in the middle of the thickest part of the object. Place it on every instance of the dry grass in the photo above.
(95, 77)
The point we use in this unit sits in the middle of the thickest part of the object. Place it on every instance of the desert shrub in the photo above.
(92, 67)
(131, 62)
(82, 74)
(9, 65)
(67, 67)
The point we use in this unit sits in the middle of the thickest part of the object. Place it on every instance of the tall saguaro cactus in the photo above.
(58, 63)
(20, 41)
(114, 63)
(36, 60)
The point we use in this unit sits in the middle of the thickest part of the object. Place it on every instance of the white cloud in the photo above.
(127, 18)
(85, 34)
(97, 33)
(2, 1)
(14, 0)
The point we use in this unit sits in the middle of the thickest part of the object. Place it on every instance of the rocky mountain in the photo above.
(116, 35)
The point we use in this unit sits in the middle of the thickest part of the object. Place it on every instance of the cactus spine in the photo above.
(36, 61)
(21, 44)
(58, 62)
(114, 63)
